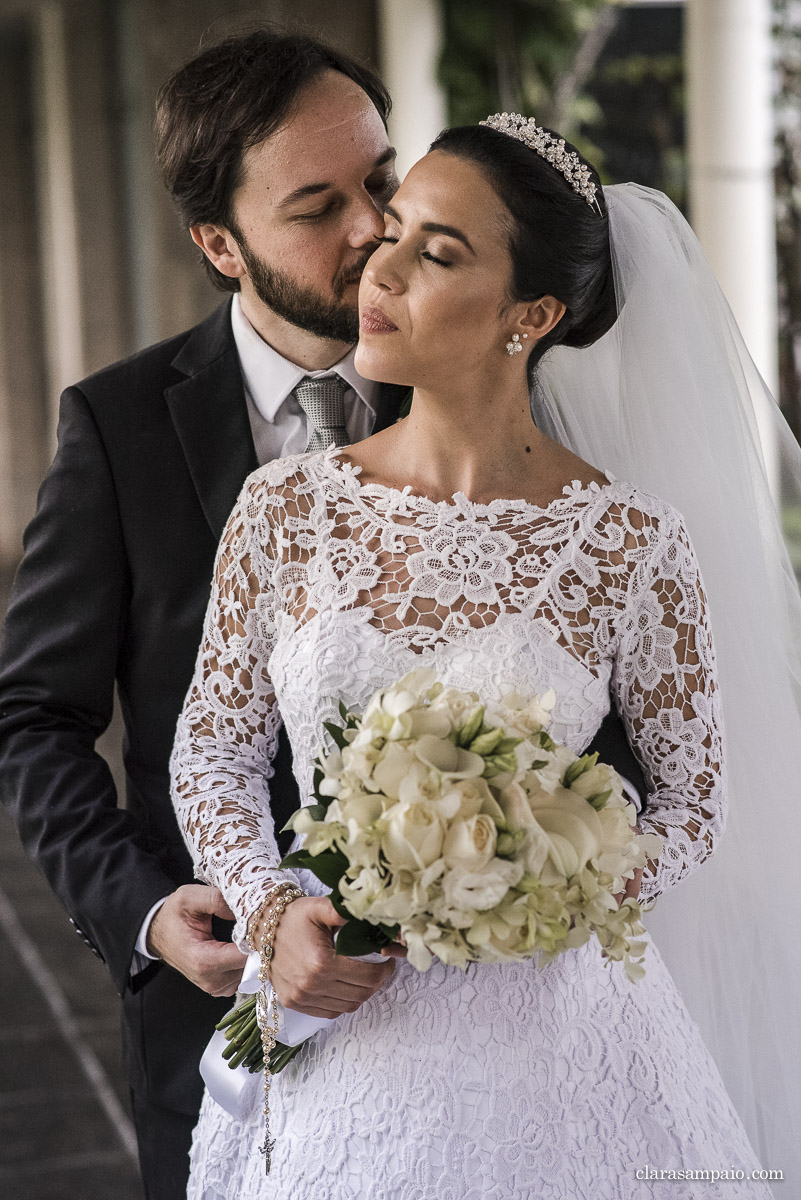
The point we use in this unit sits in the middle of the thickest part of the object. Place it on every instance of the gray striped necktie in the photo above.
(323, 401)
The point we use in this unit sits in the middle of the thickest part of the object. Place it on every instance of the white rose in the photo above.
(457, 704)
(471, 890)
(413, 835)
(470, 843)
(449, 759)
(466, 798)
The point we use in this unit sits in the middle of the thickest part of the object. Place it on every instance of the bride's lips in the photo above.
(374, 321)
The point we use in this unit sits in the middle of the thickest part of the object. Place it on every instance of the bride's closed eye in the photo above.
(424, 254)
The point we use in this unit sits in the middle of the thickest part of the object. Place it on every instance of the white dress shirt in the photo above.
(279, 428)
(277, 421)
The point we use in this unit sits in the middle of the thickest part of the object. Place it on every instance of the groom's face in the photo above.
(310, 206)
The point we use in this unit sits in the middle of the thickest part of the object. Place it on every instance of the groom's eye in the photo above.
(383, 185)
(315, 216)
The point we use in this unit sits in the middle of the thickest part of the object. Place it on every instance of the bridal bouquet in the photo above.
(466, 829)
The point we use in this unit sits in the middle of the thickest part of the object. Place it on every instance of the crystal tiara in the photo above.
(567, 162)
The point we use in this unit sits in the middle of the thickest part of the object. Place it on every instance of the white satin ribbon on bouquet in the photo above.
(234, 1089)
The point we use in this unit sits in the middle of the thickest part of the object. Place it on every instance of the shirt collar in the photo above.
(269, 377)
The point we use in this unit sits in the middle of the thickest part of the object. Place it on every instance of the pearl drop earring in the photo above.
(515, 346)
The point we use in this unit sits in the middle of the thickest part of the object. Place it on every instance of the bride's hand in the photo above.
(395, 949)
(632, 887)
(305, 971)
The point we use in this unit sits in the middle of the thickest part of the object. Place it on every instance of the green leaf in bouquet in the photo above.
(316, 811)
(499, 764)
(336, 733)
(598, 802)
(536, 766)
(585, 763)
(471, 728)
(298, 858)
(329, 866)
(486, 743)
(546, 741)
(359, 937)
(343, 712)
(506, 744)
(508, 843)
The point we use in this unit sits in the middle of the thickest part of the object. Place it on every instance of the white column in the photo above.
(730, 142)
(410, 39)
(61, 288)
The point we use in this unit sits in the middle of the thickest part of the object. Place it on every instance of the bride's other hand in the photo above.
(306, 972)
(632, 887)
(395, 949)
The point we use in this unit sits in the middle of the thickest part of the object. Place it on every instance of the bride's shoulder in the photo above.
(282, 479)
(642, 519)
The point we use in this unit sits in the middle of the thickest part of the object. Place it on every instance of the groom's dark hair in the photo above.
(229, 98)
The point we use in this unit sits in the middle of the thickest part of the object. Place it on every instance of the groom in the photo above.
(275, 151)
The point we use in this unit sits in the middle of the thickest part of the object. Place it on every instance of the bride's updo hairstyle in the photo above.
(559, 244)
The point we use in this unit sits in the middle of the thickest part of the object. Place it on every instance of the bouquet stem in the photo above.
(244, 1047)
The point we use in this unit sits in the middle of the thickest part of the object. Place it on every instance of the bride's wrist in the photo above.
(258, 923)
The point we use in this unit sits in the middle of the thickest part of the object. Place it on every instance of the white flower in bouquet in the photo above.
(466, 829)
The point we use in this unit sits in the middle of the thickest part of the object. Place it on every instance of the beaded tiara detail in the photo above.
(567, 162)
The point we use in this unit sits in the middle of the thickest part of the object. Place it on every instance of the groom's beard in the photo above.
(303, 306)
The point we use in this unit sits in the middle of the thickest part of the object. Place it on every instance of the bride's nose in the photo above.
(383, 270)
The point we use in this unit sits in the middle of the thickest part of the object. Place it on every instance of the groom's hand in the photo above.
(180, 934)
(307, 973)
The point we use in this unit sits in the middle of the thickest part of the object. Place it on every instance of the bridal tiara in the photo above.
(567, 162)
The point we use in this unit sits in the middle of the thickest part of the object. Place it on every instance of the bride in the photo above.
(469, 538)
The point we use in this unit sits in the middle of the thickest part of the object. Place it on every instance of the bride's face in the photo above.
(434, 300)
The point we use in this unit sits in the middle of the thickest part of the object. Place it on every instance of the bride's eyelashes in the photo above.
(424, 254)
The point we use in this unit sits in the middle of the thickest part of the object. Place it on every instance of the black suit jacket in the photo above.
(152, 453)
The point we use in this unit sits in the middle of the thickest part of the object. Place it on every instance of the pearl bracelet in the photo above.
(289, 892)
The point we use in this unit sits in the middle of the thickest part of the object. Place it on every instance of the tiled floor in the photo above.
(58, 1140)
(62, 1136)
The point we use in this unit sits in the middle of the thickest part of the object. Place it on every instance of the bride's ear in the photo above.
(220, 249)
(541, 315)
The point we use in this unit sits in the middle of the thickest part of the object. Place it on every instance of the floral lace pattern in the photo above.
(327, 588)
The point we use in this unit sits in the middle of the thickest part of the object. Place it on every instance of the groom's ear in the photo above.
(220, 249)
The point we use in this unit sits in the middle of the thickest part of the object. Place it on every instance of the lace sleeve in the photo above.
(228, 729)
(666, 689)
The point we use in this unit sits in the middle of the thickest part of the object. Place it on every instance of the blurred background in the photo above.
(700, 99)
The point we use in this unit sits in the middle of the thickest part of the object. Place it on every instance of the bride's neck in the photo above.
(484, 446)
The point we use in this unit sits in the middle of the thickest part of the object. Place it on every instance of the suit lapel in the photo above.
(210, 416)
(390, 400)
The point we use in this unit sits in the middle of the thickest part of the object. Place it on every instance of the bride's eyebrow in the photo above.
(434, 227)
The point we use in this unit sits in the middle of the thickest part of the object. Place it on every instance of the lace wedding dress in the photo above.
(514, 1081)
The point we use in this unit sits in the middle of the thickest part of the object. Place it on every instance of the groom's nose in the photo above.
(367, 221)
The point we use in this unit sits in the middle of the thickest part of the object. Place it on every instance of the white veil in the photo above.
(671, 401)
